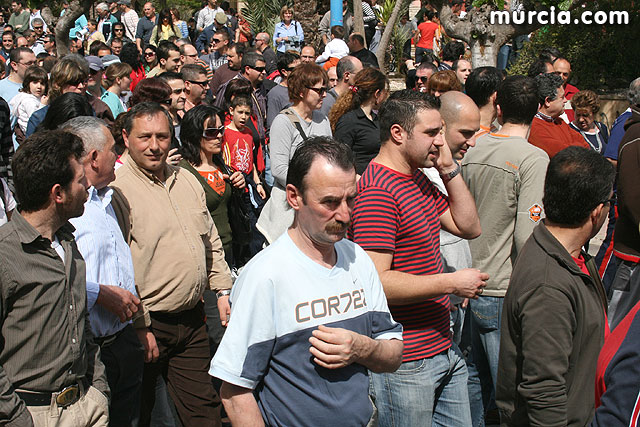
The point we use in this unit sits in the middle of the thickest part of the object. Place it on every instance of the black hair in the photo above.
(537, 67)
(16, 53)
(286, 59)
(336, 153)
(41, 162)
(249, 59)
(241, 100)
(164, 47)
(169, 76)
(63, 108)
(337, 31)
(97, 46)
(402, 108)
(578, 180)
(130, 55)
(191, 130)
(452, 51)
(550, 54)
(482, 83)
(357, 37)
(548, 85)
(518, 99)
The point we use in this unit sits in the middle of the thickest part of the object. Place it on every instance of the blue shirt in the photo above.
(107, 257)
(617, 132)
(9, 89)
(294, 32)
(113, 101)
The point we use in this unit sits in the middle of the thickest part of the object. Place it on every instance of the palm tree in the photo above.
(308, 17)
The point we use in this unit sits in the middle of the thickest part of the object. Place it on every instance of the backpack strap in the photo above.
(293, 117)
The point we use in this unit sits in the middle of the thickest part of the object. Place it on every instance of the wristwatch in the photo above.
(223, 293)
(449, 176)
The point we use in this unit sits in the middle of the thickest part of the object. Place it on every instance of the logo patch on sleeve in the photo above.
(535, 212)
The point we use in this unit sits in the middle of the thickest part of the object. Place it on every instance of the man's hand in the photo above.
(335, 348)
(118, 301)
(224, 309)
(173, 158)
(469, 283)
(148, 340)
(444, 162)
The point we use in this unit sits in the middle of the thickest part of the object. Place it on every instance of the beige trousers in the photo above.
(92, 409)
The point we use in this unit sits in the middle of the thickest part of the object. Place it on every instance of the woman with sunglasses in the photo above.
(352, 117)
(150, 57)
(201, 135)
(164, 28)
(307, 86)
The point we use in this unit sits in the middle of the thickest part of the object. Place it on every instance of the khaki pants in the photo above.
(92, 409)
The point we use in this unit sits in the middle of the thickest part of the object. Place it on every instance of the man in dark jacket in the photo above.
(625, 289)
(553, 322)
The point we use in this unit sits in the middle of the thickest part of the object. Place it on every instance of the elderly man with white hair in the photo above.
(106, 21)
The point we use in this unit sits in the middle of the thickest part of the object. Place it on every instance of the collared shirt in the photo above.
(361, 134)
(175, 246)
(145, 28)
(107, 257)
(46, 339)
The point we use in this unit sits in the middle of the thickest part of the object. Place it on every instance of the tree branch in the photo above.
(65, 23)
(388, 31)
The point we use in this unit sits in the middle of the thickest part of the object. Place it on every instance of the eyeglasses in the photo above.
(423, 79)
(214, 41)
(211, 133)
(319, 90)
(149, 53)
(258, 69)
(37, 28)
(195, 82)
(27, 64)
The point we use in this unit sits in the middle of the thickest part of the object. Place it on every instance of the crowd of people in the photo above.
(202, 224)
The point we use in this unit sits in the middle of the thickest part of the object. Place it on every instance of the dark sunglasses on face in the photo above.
(319, 90)
(258, 69)
(214, 41)
(149, 53)
(423, 79)
(213, 132)
(195, 82)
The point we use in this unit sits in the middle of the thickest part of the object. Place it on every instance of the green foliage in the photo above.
(399, 35)
(263, 15)
(603, 57)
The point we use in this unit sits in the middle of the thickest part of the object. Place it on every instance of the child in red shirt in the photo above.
(237, 143)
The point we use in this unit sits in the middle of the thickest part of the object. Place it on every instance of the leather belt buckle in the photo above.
(68, 396)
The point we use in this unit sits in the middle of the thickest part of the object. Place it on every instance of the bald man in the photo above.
(562, 67)
(505, 174)
(308, 54)
(461, 119)
(263, 45)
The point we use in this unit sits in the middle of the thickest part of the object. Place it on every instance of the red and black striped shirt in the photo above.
(401, 213)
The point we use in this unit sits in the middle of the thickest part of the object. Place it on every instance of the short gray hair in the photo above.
(37, 21)
(102, 6)
(90, 129)
(633, 95)
(548, 85)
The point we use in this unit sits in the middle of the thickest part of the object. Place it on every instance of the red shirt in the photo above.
(401, 213)
(237, 149)
(427, 32)
(554, 136)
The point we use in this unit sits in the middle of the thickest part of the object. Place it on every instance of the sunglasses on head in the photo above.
(213, 132)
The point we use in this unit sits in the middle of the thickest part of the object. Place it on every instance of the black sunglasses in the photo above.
(319, 90)
(216, 41)
(211, 133)
(258, 69)
(423, 79)
(195, 82)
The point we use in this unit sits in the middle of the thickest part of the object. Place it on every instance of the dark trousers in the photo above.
(184, 364)
(124, 362)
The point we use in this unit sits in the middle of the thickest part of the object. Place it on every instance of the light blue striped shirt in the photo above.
(107, 256)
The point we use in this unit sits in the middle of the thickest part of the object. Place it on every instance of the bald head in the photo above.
(264, 37)
(562, 67)
(462, 120)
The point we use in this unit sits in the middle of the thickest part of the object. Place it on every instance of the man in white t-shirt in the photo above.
(309, 315)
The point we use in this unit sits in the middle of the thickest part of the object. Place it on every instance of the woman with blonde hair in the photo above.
(586, 105)
(288, 34)
(443, 81)
(353, 120)
(117, 78)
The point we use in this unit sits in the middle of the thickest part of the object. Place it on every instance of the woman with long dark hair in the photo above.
(352, 117)
(130, 55)
(164, 29)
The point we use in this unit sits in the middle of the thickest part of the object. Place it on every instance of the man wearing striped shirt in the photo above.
(112, 299)
(397, 218)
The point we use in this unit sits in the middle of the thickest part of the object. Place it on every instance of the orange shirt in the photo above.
(554, 136)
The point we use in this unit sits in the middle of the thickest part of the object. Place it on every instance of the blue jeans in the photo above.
(485, 317)
(431, 391)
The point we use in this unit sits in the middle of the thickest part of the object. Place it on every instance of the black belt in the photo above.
(65, 397)
(109, 339)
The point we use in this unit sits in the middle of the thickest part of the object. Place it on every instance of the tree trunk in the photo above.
(386, 35)
(306, 15)
(65, 23)
(358, 20)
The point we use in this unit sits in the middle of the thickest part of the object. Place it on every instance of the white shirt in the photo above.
(7, 204)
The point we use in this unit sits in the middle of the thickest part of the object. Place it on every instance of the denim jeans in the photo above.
(625, 291)
(431, 391)
(485, 317)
